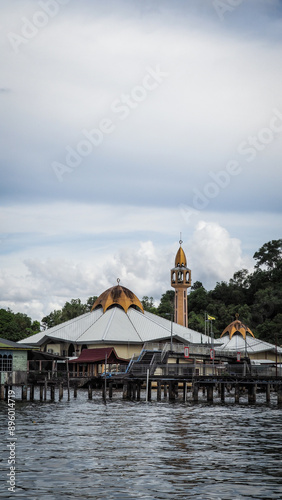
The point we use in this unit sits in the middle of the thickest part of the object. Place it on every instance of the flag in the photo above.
(210, 318)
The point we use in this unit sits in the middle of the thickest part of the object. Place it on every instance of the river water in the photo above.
(125, 450)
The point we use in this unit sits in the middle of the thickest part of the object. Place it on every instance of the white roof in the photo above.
(252, 345)
(116, 326)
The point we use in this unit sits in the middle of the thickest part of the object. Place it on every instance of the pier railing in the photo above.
(191, 370)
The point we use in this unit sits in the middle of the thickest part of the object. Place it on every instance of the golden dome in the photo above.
(119, 296)
(237, 327)
(180, 259)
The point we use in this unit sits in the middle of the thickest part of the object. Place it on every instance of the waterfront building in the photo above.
(118, 321)
(238, 337)
(13, 362)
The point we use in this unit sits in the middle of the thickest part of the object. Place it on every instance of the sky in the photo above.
(125, 124)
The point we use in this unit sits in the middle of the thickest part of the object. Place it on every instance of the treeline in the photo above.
(256, 297)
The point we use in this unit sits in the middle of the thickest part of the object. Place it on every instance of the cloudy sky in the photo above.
(124, 123)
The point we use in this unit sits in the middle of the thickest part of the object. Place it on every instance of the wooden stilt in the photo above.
(222, 392)
(31, 392)
(210, 393)
(45, 389)
(89, 392)
(195, 392)
(159, 391)
(237, 393)
(110, 390)
(138, 390)
(52, 392)
(24, 392)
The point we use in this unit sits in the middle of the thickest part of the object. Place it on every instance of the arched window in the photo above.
(71, 350)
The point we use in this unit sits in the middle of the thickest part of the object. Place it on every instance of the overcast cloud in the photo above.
(125, 123)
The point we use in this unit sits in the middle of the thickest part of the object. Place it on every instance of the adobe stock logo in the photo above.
(40, 19)
(121, 109)
(223, 6)
(249, 149)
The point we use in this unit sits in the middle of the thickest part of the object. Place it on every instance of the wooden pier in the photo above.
(140, 388)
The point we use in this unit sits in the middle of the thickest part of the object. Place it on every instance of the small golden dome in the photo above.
(237, 327)
(120, 296)
(180, 259)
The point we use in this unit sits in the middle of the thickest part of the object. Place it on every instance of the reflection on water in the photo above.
(128, 450)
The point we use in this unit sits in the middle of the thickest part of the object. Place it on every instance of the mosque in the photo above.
(118, 323)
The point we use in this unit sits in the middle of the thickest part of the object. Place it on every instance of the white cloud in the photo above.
(214, 255)
(39, 285)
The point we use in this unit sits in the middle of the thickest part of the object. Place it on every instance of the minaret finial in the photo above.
(118, 280)
(180, 241)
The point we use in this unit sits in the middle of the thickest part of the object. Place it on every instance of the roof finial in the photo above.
(236, 315)
(118, 280)
(180, 241)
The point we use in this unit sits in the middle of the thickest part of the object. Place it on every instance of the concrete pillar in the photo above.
(6, 392)
(237, 393)
(222, 392)
(165, 390)
(176, 389)
(203, 390)
(24, 392)
(41, 392)
(210, 393)
(159, 391)
(195, 390)
(75, 391)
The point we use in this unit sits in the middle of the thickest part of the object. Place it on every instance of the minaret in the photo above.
(181, 280)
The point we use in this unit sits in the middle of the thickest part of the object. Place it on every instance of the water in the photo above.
(136, 450)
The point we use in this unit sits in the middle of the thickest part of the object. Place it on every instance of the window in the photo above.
(6, 362)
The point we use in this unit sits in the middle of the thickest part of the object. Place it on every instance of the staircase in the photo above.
(147, 360)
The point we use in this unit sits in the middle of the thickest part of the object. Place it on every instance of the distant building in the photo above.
(13, 362)
(238, 338)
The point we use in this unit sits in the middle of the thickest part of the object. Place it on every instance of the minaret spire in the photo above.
(181, 281)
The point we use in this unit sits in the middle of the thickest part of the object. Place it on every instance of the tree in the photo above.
(148, 304)
(16, 326)
(166, 306)
(269, 255)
